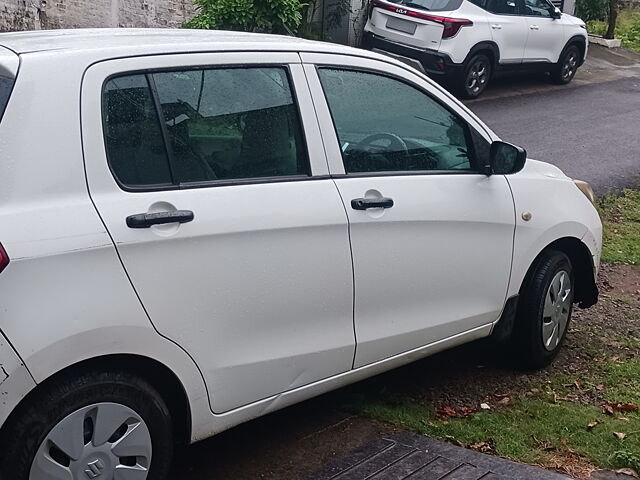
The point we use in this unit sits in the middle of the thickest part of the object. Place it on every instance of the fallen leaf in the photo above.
(628, 471)
(485, 406)
(590, 425)
(483, 447)
(627, 407)
(600, 387)
(619, 435)
(607, 409)
(446, 412)
(505, 401)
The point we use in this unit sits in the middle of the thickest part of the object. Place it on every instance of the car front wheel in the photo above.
(100, 425)
(544, 310)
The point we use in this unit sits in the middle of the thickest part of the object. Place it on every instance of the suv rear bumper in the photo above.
(433, 63)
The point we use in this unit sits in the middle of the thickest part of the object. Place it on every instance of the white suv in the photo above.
(463, 42)
(198, 228)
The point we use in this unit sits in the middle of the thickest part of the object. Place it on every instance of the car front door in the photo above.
(431, 237)
(545, 39)
(213, 183)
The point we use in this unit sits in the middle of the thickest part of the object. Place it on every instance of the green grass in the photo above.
(627, 29)
(538, 428)
(621, 219)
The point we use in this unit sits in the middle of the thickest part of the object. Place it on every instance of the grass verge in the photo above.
(627, 29)
(621, 219)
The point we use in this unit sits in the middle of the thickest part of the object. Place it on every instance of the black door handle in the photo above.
(364, 203)
(145, 220)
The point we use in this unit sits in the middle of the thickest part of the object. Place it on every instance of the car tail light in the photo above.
(451, 25)
(4, 258)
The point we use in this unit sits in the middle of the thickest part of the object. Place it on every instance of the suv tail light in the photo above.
(4, 258)
(451, 25)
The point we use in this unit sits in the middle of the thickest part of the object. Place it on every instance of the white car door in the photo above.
(431, 237)
(508, 29)
(545, 38)
(223, 214)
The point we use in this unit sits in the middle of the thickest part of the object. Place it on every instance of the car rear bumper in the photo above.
(433, 63)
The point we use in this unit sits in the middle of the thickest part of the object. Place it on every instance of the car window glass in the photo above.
(499, 7)
(133, 137)
(384, 124)
(6, 85)
(231, 123)
(537, 8)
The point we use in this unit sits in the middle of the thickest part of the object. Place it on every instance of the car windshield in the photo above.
(431, 5)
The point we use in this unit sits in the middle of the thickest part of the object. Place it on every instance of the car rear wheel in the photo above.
(475, 76)
(567, 67)
(103, 425)
(544, 310)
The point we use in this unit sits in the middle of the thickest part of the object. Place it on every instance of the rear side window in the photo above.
(6, 85)
(216, 124)
(499, 7)
(133, 134)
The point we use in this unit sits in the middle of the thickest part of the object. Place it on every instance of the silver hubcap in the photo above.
(104, 441)
(570, 65)
(557, 307)
(478, 77)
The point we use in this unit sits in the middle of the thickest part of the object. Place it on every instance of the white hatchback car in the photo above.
(463, 42)
(199, 228)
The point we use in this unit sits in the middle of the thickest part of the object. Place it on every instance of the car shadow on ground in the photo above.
(292, 443)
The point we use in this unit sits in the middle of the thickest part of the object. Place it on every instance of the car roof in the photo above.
(109, 42)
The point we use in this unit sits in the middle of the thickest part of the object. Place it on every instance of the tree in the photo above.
(267, 16)
(613, 19)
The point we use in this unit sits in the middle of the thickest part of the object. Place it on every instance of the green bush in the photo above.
(627, 29)
(592, 9)
(268, 16)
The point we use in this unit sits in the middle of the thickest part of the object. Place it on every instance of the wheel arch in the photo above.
(161, 377)
(488, 47)
(586, 290)
(580, 42)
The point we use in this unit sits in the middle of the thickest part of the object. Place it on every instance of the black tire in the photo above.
(29, 426)
(528, 341)
(475, 76)
(567, 66)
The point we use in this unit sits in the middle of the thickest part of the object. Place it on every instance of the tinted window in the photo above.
(537, 8)
(133, 136)
(499, 7)
(386, 125)
(231, 123)
(431, 5)
(6, 85)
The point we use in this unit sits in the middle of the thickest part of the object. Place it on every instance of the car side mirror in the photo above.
(556, 13)
(505, 158)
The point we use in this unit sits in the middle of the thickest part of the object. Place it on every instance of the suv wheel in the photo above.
(102, 425)
(475, 76)
(567, 67)
(544, 310)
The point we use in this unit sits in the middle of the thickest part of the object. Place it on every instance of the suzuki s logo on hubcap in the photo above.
(95, 469)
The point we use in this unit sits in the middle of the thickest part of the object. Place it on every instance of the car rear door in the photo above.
(508, 29)
(431, 237)
(223, 215)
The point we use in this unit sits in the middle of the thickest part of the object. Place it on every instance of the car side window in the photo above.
(386, 125)
(231, 123)
(537, 8)
(133, 135)
(501, 7)
(217, 124)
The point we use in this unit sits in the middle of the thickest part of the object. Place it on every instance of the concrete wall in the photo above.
(47, 14)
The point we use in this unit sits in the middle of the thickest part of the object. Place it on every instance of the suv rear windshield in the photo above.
(6, 85)
(431, 5)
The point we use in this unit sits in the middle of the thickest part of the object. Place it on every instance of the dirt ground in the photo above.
(290, 444)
